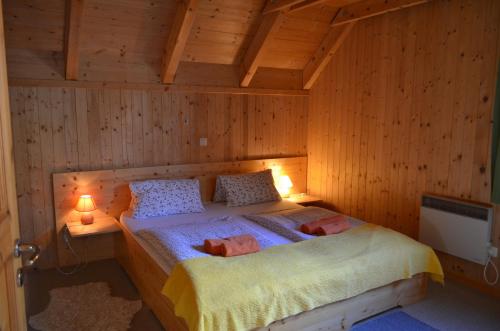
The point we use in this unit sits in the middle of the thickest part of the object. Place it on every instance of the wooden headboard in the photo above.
(110, 191)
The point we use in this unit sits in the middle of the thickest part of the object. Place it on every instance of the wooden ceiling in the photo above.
(167, 41)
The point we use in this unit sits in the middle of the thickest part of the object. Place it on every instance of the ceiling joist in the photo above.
(269, 26)
(330, 44)
(369, 8)
(74, 13)
(177, 39)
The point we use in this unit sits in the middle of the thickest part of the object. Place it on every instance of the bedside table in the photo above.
(303, 199)
(103, 223)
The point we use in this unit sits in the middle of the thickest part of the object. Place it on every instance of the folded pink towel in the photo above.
(213, 246)
(240, 245)
(333, 228)
(232, 246)
(313, 226)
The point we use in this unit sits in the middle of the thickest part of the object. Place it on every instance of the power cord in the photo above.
(82, 263)
(485, 270)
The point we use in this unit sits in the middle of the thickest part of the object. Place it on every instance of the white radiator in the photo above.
(455, 227)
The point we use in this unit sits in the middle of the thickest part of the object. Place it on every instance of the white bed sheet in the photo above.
(213, 210)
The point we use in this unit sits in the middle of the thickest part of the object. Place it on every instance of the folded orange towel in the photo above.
(313, 227)
(240, 245)
(232, 246)
(333, 228)
(213, 246)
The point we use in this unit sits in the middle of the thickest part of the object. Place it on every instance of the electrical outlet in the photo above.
(493, 251)
(203, 141)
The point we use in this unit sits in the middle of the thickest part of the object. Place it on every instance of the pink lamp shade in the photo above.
(85, 205)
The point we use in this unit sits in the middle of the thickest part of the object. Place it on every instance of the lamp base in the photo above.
(87, 218)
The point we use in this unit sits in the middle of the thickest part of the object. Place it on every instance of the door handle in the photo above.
(19, 249)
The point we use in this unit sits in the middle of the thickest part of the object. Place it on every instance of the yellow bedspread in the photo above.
(245, 292)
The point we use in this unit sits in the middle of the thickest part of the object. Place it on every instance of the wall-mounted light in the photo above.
(284, 186)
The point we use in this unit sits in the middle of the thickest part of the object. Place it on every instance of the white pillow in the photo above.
(247, 189)
(152, 198)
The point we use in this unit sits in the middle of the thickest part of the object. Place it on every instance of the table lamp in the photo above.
(284, 186)
(85, 205)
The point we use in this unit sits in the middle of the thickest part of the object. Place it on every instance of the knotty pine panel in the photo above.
(222, 31)
(60, 129)
(404, 108)
(34, 34)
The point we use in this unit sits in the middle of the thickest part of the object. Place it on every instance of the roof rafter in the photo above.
(74, 13)
(369, 8)
(177, 39)
(290, 5)
(330, 44)
(305, 4)
(279, 5)
(269, 26)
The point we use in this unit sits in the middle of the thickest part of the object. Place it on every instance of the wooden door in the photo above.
(12, 310)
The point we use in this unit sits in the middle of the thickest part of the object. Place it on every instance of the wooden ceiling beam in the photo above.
(289, 6)
(369, 8)
(305, 4)
(269, 26)
(74, 13)
(330, 44)
(177, 39)
(182, 88)
(279, 5)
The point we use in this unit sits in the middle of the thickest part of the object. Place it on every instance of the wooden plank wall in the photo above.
(405, 108)
(59, 129)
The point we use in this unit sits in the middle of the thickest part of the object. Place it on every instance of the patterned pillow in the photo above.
(220, 193)
(165, 197)
(247, 189)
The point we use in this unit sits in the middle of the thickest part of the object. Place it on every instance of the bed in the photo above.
(149, 271)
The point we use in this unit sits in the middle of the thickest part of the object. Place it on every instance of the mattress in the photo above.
(213, 211)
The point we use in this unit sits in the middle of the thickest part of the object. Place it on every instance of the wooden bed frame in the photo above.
(149, 279)
(110, 191)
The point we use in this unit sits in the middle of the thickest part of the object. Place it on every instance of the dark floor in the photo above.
(449, 308)
(455, 307)
(38, 284)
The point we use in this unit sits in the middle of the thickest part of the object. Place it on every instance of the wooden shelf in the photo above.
(102, 224)
(303, 198)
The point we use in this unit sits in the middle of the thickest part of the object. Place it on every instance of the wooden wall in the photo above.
(60, 129)
(405, 108)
